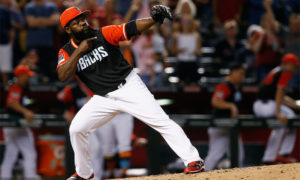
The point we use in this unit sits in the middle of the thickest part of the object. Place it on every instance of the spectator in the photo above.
(246, 55)
(102, 16)
(204, 12)
(188, 8)
(290, 37)
(41, 17)
(6, 42)
(254, 10)
(144, 51)
(18, 22)
(270, 50)
(226, 49)
(187, 46)
(227, 10)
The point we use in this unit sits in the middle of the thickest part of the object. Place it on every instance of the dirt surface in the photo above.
(275, 172)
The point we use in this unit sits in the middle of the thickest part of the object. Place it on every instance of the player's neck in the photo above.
(75, 40)
(232, 81)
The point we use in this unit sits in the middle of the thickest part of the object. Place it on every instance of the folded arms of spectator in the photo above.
(42, 22)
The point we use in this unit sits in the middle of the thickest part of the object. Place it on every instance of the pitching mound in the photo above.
(275, 172)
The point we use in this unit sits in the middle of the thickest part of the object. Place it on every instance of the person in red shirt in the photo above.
(273, 102)
(225, 101)
(19, 139)
(102, 16)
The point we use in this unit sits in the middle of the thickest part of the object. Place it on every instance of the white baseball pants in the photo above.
(281, 140)
(18, 140)
(219, 145)
(95, 147)
(133, 98)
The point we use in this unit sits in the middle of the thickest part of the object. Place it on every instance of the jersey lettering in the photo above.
(101, 50)
(89, 59)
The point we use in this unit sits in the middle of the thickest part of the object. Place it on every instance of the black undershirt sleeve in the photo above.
(131, 29)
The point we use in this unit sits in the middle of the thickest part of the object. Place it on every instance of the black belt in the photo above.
(121, 84)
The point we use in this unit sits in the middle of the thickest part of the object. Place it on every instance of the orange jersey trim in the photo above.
(114, 34)
(63, 57)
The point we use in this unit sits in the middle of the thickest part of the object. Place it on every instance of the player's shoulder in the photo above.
(225, 86)
(222, 85)
(15, 87)
(67, 48)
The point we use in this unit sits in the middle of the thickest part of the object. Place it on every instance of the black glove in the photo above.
(160, 12)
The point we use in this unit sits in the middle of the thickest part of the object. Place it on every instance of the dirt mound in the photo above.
(275, 172)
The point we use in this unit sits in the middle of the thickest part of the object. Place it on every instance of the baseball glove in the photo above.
(160, 12)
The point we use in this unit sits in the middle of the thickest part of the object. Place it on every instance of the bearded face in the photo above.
(85, 33)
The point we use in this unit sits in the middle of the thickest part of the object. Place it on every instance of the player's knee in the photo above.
(73, 130)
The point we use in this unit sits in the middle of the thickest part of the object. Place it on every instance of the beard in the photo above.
(84, 34)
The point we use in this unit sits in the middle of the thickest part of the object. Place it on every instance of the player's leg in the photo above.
(288, 143)
(277, 135)
(124, 139)
(218, 144)
(241, 152)
(135, 99)
(95, 148)
(95, 113)
(25, 143)
(266, 109)
(10, 154)
(108, 138)
(289, 140)
(273, 145)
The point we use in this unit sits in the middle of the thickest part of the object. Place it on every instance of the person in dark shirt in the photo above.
(225, 100)
(19, 139)
(41, 18)
(94, 56)
(227, 48)
(273, 102)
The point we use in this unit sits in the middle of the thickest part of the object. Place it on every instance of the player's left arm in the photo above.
(116, 33)
(282, 84)
(287, 100)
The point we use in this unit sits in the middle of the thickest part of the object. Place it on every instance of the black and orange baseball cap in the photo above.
(291, 58)
(70, 14)
(23, 70)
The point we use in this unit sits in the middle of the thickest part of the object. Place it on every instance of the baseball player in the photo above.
(94, 56)
(19, 139)
(116, 143)
(273, 102)
(74, 96)
(105, 141)
(225, 100)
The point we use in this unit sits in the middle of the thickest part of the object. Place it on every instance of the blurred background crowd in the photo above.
(186, 57)
(205, 37)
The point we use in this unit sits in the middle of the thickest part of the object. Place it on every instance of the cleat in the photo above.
(285, 160)
(194, 167)
(76, 177)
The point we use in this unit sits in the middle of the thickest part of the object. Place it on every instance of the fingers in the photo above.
(92, 38)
